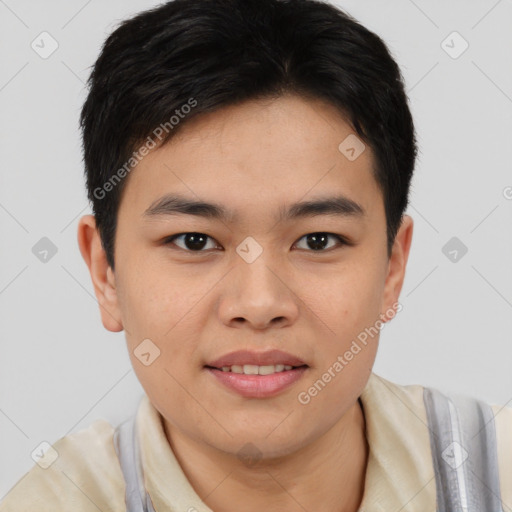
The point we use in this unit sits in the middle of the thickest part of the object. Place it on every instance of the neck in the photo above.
(326, 475)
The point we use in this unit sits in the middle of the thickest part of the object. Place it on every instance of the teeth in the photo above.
(266, 370)
(250, 369)
(253, 369)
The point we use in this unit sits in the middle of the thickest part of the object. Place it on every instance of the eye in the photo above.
(194, 242)
(318, 241)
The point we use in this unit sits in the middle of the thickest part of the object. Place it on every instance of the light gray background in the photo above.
(60, 370)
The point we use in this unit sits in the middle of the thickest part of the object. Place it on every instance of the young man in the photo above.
(248, 163)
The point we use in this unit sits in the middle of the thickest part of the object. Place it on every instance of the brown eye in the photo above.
(318, 242)
(193, 242)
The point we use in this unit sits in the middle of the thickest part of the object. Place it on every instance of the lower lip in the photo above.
(258, 386)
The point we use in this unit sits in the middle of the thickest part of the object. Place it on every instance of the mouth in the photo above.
(255, 381)
(253, 369)
(256, 374)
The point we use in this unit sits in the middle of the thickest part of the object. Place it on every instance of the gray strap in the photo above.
(127, 449)
(464, 452)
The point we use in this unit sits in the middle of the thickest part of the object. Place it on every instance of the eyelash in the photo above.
(342, 241)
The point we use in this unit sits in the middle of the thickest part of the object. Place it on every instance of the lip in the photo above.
(258, 386)
(266, 358)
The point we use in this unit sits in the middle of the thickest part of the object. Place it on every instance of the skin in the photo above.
(255, 158)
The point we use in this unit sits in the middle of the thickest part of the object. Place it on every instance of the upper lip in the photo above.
(267, 358)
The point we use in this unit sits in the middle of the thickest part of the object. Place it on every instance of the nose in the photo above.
(259, 296)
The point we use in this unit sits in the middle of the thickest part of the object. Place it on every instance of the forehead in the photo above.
(257, 153)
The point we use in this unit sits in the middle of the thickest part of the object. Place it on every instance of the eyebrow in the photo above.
(174, 204)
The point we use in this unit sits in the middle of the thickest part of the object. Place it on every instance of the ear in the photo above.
(396, 267)
(103, 278)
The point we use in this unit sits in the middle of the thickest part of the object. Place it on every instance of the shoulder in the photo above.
(398, 401)
(503, 424)
(80, 471)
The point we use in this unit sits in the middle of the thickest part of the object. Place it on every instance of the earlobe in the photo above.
(397, 266)
(102, 276)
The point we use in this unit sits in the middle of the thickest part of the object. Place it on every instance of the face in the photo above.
(306, 281)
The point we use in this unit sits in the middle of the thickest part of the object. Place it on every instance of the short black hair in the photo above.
(167, 65)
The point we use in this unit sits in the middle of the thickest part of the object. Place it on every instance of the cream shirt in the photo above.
(87, 477)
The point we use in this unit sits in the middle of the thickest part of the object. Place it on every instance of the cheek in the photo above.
(168, 309)
(349, 300)
(154, 301)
